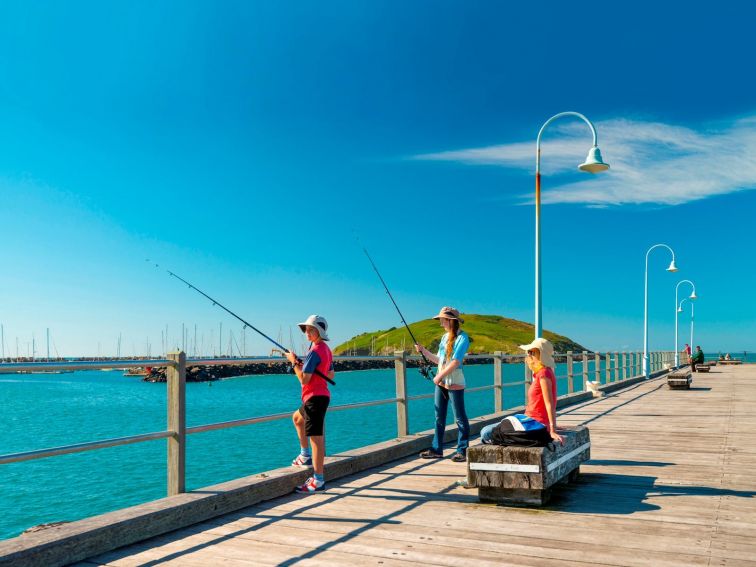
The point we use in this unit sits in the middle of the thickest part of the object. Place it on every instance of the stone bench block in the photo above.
(702, 368)
(525, 475)
(679, 379)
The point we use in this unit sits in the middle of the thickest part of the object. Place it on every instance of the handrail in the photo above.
(15, 367)
(80, 447)
(277, 416)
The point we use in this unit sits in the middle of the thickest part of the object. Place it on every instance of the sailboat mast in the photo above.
(48, 344)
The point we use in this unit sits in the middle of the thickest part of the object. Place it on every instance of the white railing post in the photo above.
(597, 367)
(498, 389)
(176, 393)
(570, 375)
(608, 368)
(402, 416)
(624, 365)
(585, 369)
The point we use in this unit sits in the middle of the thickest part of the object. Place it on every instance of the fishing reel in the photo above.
(427, 371)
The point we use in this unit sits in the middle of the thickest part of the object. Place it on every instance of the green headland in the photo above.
(488, 333)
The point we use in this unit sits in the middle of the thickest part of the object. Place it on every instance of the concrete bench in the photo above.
(525, 475)
(679, 379)
(733, 361)
(702, 367)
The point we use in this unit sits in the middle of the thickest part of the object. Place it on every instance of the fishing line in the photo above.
(245, 323)
(426, 369)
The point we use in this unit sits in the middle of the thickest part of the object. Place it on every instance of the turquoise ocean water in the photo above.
(49, 410)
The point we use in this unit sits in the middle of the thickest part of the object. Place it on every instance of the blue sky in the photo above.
(240, 144)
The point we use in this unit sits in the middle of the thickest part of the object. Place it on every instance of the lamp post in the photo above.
(672, 268)
(593, 164)
(693, 297)
(692, 312)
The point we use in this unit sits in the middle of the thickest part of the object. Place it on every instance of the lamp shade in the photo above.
(672, 267)
(594, 163)
(693, 295)
(679, 309)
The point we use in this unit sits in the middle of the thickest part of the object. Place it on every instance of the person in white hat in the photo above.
(537, 426)
(450, 382)
(309, 419)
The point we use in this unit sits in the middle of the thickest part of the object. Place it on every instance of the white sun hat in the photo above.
(319, 323)
(545, 348)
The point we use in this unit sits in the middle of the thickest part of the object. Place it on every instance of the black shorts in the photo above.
(314, 411)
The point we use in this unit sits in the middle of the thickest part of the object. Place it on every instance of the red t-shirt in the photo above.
(320, 357)
(536, 407)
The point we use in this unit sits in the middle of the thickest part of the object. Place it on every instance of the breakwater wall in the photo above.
(201, 373)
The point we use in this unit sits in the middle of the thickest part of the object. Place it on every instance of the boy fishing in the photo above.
(309, 419)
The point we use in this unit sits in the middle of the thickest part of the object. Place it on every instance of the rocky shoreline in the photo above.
(221, 371)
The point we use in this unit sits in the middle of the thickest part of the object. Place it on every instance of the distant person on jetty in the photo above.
(451, 379)
(697, 358)
(686, 350)
(728, 357)
(538, 425)
(309, 419)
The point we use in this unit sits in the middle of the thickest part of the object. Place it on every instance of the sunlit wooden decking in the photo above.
(672, 482)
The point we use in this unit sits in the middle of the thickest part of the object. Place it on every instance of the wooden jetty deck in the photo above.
(672, 481)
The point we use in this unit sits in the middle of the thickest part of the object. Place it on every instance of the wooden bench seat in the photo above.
(679, 379)
(702, 367)
(525, 475)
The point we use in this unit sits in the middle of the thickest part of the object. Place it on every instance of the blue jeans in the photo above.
(457, 398)
(485, 433)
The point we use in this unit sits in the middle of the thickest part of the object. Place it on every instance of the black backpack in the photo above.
(504, 434)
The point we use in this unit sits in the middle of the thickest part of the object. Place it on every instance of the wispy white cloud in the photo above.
(651, 162)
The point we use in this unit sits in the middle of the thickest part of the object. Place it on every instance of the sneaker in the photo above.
(311, 485)
(430, 454)
(459, 457)
(301, 461)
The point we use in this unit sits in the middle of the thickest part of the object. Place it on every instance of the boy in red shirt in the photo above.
(309, 419)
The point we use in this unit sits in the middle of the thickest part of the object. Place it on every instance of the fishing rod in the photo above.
(247, 324)
(426, 369)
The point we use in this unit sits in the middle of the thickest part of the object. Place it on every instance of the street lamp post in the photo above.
(593, 164)
(692, 312)
(672, 268)
(693, 297)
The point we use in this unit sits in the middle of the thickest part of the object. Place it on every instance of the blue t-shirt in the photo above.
(459, 349)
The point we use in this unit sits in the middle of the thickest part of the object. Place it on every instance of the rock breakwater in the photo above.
(221, 371)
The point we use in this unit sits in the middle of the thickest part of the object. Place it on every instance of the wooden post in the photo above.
(176, 392)
(570, 375)
(624, 365)
(597, 368)
(585, 369)
(616, 367)
(528, 380)
(498, 389)
(402, 417)
(608, 367)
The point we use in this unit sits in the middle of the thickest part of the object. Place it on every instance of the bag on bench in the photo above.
(521, 431)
